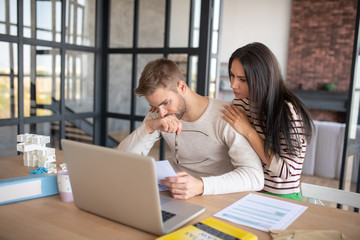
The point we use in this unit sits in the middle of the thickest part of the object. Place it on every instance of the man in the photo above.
(209, 156)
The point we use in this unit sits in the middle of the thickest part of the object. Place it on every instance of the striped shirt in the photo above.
(283, 174)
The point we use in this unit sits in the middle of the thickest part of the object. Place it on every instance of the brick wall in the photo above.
(321, 46)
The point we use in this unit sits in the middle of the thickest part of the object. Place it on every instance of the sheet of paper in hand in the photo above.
(163, 169)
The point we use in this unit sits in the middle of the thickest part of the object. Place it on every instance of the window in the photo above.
(68, 67)
(47, 70)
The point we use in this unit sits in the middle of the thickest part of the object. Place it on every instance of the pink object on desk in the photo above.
(64, 186)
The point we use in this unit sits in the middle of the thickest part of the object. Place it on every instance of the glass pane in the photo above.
(8, 59)
(213, 77)
(8, 80)
(27, 95)
(80, 22)
(214, 42)
(8, 17)
(42, 20)
(8, 141)
(80, 130)
(179, 23)
(79, 81)
(181, 60)
(28, 22)
(214, 84)
(355, 104)
(118, 129)
(50, 129)
(151, 23)
(8, 97)
(41, 81)
(353, 161)
(196, 24)
(142, 106)
(137, 124)
(121, 23)
(193, 72)
(216, 15)
(119, 89)
(351, 173)
(224, 91)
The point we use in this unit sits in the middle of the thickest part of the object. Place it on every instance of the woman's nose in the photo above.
(233, 84)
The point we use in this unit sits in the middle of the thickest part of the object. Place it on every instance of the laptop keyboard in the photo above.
(167, 215)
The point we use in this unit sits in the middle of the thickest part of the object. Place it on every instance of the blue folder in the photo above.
(35, 186)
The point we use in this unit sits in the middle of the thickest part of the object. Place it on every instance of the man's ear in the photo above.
(182, 87)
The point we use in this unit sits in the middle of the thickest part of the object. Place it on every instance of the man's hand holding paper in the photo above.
(181, 184)
(184, 186)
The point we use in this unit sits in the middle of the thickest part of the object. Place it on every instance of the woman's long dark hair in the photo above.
(268, 96)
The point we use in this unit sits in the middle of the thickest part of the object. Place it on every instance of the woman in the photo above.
(270, 116)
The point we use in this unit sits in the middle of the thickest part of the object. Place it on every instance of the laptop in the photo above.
(123, 187)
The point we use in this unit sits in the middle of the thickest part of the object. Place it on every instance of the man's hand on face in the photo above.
(168, 123)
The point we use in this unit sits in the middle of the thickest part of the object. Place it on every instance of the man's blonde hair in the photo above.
(159, 73)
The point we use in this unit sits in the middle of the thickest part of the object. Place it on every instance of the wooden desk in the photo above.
(50, 218)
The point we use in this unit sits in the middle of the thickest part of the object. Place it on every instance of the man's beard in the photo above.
(181, 109)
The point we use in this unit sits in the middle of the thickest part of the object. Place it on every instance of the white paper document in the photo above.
(163, 169)
(262, 212)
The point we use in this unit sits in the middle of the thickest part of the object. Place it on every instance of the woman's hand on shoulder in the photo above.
(237, 119)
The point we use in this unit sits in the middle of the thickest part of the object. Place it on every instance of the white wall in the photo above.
(266, 21)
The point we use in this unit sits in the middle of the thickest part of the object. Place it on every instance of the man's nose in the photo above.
(162, 111)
